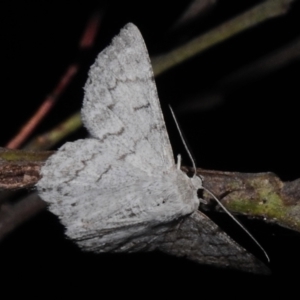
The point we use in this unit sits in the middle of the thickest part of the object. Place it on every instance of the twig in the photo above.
(261, 195)
(20, 169)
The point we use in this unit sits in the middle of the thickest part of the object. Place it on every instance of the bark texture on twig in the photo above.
(20, 169)
(261, 195)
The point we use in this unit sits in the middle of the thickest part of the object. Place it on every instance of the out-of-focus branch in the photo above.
(44, 109)
(251, 72)
(86, 41)
(14, 214)
(258, 14)
(55, 135)
(262, 12)
(263, 66)
(194, 10)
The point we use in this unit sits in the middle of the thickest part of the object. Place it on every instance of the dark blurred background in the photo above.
(233, 118)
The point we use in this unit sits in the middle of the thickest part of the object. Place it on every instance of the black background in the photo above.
(39, 41)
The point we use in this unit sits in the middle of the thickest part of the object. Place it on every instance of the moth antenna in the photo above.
(218, 201)
(235, 220)
(183, 141)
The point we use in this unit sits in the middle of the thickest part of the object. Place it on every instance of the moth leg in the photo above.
(178, 162)
(203, 201)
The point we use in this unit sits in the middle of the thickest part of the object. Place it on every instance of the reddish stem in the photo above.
(46, 106)
(91, 30)
(86, 41)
